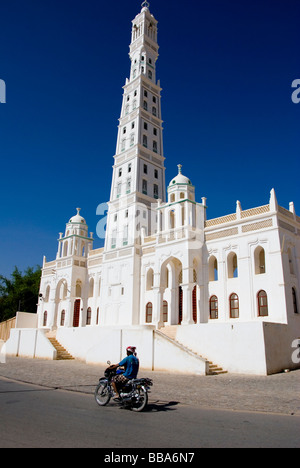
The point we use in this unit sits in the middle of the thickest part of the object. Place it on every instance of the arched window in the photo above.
(213, 269)
(89, 316)
(65, 249)
(262, 300)
(114, 239)
(234, 306)
(165, 311)
(150, 279)
(97, 321)
(232, 265)
(213, 307)
(47, 295)
(149, 312)
(45, 316)
(150, 75)
(182, 215)
(78, 289)
(295, 304)
(260, 261)
(172, 219)
(91, 287)
(62, 318)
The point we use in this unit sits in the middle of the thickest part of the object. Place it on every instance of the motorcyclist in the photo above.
(131, 364)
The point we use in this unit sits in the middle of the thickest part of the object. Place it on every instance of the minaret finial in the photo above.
(179, 168)
(145, 4)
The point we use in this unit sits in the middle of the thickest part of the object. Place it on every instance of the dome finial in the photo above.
(78, 210)
(179, 168)
(145, 4)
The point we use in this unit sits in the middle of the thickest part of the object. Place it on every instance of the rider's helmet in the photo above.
(131, 349)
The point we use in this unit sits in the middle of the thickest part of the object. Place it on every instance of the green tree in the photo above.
(20, 292)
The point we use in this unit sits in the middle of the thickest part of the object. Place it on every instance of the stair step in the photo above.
(62, 353)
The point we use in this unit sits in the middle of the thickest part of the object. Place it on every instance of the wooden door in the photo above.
(195, 304)
(180, 305)
(76, 313)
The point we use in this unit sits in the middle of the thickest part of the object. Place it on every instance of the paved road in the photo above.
(273, 394)
(40, 417)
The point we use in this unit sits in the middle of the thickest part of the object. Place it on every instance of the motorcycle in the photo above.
(134, 395)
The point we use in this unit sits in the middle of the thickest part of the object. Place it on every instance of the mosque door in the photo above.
(180, 306)
(195, 304)
(76, 313)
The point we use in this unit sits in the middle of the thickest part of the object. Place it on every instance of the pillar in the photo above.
(158, 307)
(187, 304)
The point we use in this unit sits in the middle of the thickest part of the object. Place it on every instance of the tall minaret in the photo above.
(138, 173)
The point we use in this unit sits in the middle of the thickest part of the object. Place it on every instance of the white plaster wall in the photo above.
(279, 342)
(29, 343)
(26, 320)
(258, 348)
(170, 358)
(237, 347)
(97, 345)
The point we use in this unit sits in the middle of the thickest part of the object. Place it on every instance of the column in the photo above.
(187, 304)
(158, 307)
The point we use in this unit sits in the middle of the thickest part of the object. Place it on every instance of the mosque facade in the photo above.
(220, 284)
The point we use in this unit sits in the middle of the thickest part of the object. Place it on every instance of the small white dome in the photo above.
(180, 178)
(77, 218)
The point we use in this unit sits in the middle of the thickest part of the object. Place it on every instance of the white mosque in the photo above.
(186, 290)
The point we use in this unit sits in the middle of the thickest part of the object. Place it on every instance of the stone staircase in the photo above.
(170, 333)
(62, 353)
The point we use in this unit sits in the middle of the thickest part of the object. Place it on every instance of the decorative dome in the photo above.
(77, 218)
(180, 178)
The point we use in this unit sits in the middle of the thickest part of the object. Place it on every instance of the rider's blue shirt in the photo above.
(131, 364)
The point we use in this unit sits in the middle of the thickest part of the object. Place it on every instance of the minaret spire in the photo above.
(138, 173)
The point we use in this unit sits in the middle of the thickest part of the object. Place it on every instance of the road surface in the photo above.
(38, 417)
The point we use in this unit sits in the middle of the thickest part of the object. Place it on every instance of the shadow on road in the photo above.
(160, 406)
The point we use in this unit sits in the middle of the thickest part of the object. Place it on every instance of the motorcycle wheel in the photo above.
(102, 394)
(140, 400)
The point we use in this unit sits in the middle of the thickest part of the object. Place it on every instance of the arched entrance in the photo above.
(170, 281)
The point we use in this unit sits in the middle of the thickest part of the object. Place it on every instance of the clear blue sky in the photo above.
(226, 69)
